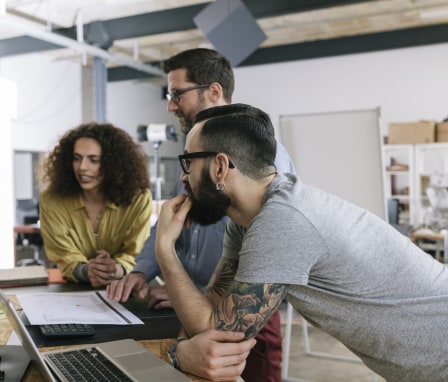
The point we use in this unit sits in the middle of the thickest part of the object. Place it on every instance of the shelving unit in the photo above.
(398, 161)
(408, 170)
(431, 165)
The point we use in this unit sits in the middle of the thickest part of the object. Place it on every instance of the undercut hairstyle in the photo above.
(204, 66)
(123, 164)
(243, 132)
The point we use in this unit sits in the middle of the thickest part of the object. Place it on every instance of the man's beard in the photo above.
(186, 127)
(209, 205)
(191, 115)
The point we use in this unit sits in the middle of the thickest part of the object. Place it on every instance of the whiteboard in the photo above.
(340, 153)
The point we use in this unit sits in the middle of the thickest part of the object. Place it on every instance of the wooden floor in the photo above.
(308, 368)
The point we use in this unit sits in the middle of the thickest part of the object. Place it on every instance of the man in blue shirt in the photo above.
(199, 79)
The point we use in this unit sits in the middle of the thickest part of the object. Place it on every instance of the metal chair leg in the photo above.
(287, 347)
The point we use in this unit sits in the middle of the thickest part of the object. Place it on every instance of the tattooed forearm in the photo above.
(222, 277)
(247, 307)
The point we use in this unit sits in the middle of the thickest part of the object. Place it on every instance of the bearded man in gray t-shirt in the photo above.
(342, 268)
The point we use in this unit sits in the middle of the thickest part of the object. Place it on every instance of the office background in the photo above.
(405, 84)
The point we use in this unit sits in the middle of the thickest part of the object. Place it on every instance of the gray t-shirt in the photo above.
(351, 274)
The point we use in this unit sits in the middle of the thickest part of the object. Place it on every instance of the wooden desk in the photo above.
(27, 228)
(158, 347)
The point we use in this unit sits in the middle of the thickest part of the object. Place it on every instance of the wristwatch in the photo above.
(172, 352)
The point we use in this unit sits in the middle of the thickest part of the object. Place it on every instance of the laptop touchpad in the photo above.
(139, 361)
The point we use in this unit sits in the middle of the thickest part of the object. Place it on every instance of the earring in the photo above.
(220, 186)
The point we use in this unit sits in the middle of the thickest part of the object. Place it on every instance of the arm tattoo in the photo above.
(222, 277)
(247, 307)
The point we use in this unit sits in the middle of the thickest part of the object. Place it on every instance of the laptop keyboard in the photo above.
(145, 314)
(140, 309)
(87, 365)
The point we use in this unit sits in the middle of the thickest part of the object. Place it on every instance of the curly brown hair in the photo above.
(124, 164)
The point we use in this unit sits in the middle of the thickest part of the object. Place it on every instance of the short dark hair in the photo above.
(124, 164)
(243, 132)
(204, 66)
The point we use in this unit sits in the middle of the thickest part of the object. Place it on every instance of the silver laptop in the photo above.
(134, 362)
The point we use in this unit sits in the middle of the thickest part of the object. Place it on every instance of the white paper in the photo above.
(80, 308)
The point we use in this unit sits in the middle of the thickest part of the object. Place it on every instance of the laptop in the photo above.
(129, 360)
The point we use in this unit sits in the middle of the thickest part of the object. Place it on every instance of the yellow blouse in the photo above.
(69, 238)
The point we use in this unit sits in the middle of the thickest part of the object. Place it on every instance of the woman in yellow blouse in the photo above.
(95, 212)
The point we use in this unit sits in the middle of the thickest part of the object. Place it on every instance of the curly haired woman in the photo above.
(95, 212)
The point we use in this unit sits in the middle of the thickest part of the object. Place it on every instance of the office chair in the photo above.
(30, 241)
(445, 248)
(393, 211)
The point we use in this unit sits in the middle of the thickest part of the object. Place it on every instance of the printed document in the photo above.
(80, 308)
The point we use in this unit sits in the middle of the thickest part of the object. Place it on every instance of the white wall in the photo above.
(134, 103)
(407, 85)
(8, 110)
(49, 99)
(50, 102)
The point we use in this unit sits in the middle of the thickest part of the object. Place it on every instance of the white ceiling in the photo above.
(357, 18)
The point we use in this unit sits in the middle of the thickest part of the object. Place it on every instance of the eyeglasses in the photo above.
(185, 159)
(176, 93)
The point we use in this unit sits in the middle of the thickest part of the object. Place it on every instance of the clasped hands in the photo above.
(103, 269)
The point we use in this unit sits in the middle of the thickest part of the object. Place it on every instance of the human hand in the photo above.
(159, 298)
(214, 354)
(103, 269)
(172, 217)
(120, 290)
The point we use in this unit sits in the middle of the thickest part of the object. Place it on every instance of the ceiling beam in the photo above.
(30, 29)
(165, 21)
(404, 38)
(178, 19)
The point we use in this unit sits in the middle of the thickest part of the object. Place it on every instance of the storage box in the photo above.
(442, 132)
(412, 132)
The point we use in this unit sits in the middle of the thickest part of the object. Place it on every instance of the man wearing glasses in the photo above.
(199, 79)
(341, 267)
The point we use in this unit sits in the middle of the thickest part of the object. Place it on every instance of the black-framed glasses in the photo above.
(176, 93)
(185, 159)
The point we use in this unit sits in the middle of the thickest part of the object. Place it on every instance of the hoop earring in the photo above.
(220, 186)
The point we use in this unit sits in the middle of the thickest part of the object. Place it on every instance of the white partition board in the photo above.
(340, 153)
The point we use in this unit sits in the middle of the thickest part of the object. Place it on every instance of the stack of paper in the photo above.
(28, 275)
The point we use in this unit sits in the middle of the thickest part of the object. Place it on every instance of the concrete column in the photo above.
(99, 89)
(94, 88)
(8, 110)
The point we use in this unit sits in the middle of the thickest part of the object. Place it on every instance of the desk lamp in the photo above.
(157, 133)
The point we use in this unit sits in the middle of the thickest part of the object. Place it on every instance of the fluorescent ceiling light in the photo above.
(433, 14)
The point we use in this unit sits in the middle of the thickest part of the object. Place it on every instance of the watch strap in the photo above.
(172, 352)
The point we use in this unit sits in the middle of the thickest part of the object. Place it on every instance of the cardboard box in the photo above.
(442, 132)
(412, 132)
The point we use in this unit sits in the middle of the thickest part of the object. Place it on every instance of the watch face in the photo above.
(172, 353)
(170, 357)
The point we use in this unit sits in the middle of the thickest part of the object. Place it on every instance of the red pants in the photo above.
(264, 363)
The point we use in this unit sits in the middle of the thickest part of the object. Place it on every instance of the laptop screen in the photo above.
(26, 340)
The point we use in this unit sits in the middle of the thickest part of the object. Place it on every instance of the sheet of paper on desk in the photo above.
(80, 307)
